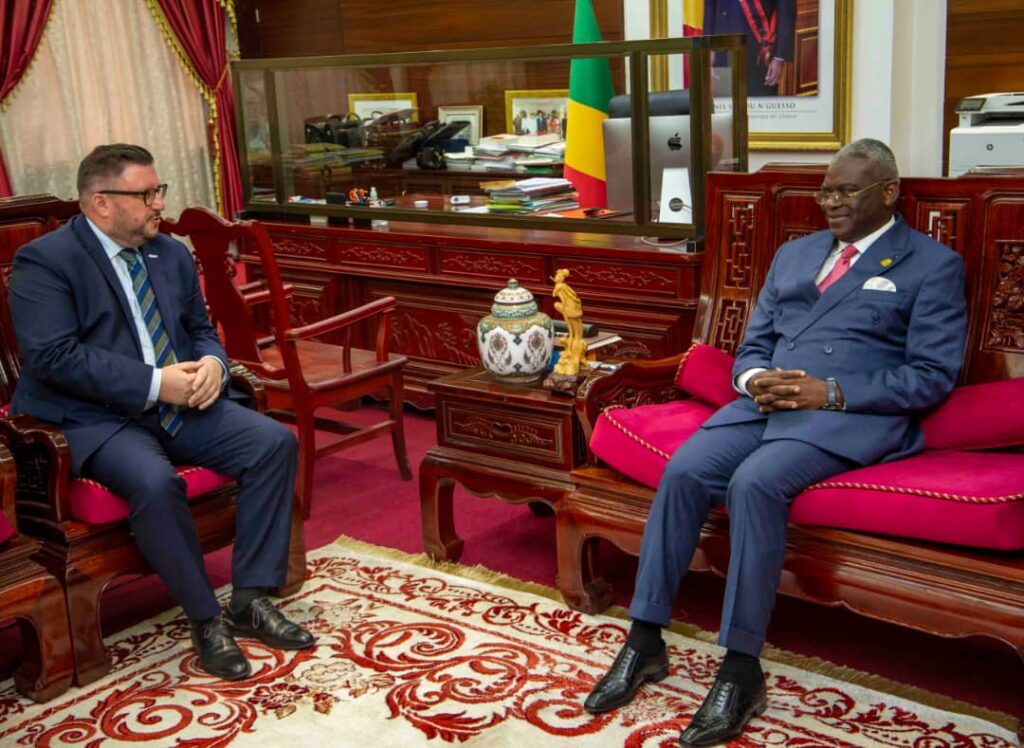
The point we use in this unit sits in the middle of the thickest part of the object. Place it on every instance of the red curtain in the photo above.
(199, 26)
(21, 27)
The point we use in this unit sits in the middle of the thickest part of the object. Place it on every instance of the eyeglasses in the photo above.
(148, 196)
(842, 194)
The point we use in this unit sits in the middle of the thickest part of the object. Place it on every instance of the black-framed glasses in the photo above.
(148, 196)
(842, 194)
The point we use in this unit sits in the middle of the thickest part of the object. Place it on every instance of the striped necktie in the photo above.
(170, 416)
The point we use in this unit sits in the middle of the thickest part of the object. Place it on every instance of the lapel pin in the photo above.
(885, 263)
(153, 256)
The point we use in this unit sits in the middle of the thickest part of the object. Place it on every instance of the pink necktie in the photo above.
(841, 266)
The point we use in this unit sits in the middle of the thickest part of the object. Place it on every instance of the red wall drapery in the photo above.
(199, 27)
(21, 27)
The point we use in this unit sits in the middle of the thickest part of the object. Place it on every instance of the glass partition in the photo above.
(493, 136)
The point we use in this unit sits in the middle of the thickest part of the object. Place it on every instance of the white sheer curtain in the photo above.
(105, 74)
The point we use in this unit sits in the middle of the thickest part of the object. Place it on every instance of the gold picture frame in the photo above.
(471, 113)
(546, 100)
(817, 119)
(367, 106)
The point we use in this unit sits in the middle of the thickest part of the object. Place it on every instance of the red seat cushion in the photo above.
(639, 441)
(6, 529)
(94, 504)
(978, 416)
(706, 374)
(973, 499)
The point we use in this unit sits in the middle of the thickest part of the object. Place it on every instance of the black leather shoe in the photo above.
(261, 620)
(724, 714)
(218, 653)
(629, 671)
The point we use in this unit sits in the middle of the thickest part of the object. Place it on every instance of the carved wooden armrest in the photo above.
(44, 468)
(346, 319)
(631, 383)
(244, 380)
(257, 292)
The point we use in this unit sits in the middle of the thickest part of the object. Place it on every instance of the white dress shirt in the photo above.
(826, 267)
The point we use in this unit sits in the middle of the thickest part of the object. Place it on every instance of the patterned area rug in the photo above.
(412, 654)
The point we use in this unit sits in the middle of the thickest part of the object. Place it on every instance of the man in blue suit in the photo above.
(118, 352)
(770, 28)
(857, 331)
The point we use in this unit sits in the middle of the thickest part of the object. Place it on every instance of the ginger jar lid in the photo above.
(513, 301)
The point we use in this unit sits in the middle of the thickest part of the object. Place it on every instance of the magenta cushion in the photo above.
(94, 504)
(706, 374)
(638, 442)
(972, 499)
(6, 529)
(978, 416)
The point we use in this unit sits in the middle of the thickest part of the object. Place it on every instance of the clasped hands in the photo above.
(193, 384)
(786, 389)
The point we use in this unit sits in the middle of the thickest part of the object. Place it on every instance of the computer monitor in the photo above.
(669, 148)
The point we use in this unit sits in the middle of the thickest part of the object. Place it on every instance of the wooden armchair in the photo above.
(85, 538)
(301, 374)
(34, 598)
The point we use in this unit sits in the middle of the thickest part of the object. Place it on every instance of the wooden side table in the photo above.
(516, 442)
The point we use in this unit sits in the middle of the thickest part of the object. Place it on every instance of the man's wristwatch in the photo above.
(832, 401)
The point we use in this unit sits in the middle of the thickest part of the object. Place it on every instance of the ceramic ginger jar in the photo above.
(515, 339)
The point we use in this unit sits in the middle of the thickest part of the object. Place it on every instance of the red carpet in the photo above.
(359, 494)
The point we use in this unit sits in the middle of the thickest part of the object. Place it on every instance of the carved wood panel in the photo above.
(394, 256)
(945, 221)
(504, 431)
(299, 246)
(1005, 328)
(620, 276)
(524, 269)
(737, 262)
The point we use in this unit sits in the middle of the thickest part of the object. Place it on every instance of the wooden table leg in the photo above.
(578, 582)
(436, 490)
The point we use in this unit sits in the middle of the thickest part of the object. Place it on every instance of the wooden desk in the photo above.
(445, 277)
(518, 443)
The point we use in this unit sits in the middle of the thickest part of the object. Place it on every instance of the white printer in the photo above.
(991, 132)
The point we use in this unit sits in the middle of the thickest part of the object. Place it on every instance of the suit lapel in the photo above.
(882, 256)
(96, 252)
(811, 263)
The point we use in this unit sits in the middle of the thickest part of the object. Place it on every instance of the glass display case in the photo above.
(542, 137)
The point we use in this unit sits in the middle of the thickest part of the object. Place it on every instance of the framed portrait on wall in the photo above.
(538, 112)
(368, 106)
(470, 113)
(797, 68)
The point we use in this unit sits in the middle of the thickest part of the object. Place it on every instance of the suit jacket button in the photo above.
(790, 346)
(828, 349)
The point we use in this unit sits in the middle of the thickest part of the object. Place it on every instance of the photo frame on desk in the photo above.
(369, 106)
(471, 113)
(525, 108)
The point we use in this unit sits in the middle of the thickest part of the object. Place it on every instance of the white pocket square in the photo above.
(878, 283)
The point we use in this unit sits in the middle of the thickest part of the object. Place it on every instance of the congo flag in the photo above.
(590, 89)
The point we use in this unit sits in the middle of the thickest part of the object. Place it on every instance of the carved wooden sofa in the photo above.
(934, 587)
(85, 539)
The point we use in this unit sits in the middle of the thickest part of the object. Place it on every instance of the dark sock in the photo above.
(242, 596)
(200, 622)
(645, 638)
(741, 668)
